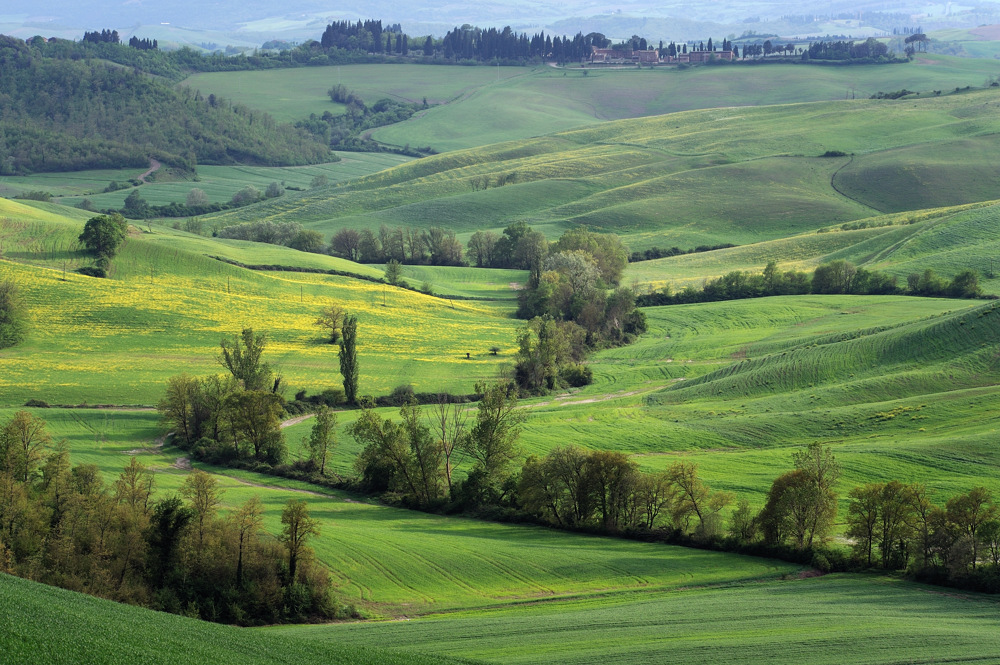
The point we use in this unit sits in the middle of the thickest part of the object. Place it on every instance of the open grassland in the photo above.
(169, 304)
(393, 562)
(47, 626)
(683, 179)
(218, 182)
(946, 240)
(834, 619)
(292, 94)
(480, 105)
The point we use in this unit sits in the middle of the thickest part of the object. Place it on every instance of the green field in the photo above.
(218, 182)
(168, 305)
(898, 387)
(476, 108)
(834, 619)
(48, 626)
(684, 179)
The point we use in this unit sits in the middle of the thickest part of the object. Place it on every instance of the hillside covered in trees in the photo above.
(66, 114)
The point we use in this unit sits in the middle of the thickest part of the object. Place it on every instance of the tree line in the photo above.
(64, 114)
(836, 277)
(347, 131)
(63, 525)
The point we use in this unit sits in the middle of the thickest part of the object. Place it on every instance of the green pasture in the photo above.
(834, 619)
(398, 562)
(293, 94)
(740, 175)
(167, 306)
(557, 99)
(946, 240)
(475, 106)
(48, 626)
(218, 182)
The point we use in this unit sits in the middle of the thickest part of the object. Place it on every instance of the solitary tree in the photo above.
(393, 272)
(103, 236)
(197, 197)
(297, 530)
(349, 358)
(331, 318)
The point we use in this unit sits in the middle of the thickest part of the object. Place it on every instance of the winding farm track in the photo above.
(154, 166)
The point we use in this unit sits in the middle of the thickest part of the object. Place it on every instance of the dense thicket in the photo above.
(65, 114)
(835, 277)
(63, 525)
(348, 131)
(230, 417)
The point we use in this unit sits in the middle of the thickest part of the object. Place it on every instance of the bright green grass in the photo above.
(833, 619)
(946, 240)
(552, 100)
(478, 109)
(48, 626)
(292, 94)
(682, 179)
(218, 182)
(491, 283)
(168, 305)
(395, 562)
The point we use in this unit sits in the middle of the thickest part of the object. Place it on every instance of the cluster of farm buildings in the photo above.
(652, 57)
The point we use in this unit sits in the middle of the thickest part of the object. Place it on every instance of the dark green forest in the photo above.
(72, 114)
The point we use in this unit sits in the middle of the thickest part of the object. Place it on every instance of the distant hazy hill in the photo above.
(58, 115)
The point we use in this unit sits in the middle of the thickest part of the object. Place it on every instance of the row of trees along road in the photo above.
(63, 525)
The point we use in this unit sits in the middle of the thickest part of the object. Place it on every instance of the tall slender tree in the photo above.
(349, 357)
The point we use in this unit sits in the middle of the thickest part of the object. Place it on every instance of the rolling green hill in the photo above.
(476, 107)
(683, 179)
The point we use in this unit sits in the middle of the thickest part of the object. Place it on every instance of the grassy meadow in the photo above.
(475, 106)
(168, 305)
(899, 387)
(684, 179)
(218, 182)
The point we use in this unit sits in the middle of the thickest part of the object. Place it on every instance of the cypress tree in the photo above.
(349, 357)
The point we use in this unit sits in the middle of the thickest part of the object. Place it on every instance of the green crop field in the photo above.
(898, 387)
(684, 179)
(834, 619)
(218, 182)
(477, 107)
(48, 626)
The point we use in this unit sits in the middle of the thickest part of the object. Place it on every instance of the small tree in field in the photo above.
(331, 318)
(103, 236)
(393, 272)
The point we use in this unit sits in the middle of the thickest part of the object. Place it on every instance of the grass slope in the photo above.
(45, 625)
(168, 305)
(834, 619)
(681, 179)
(479, 107)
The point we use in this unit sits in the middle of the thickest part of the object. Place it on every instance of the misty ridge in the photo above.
(255, 23)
